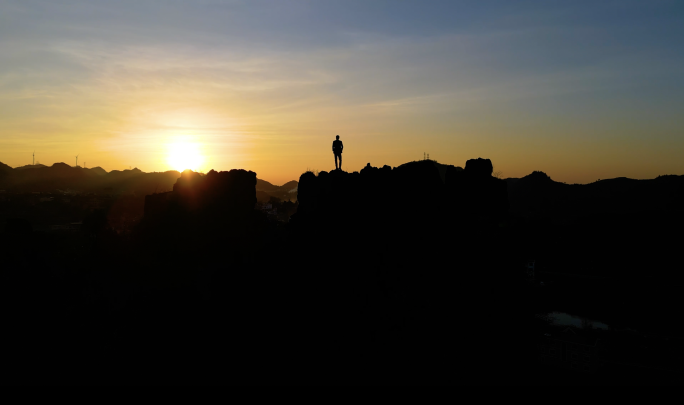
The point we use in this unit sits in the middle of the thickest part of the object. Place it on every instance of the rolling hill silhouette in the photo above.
(98, 170)
(537, 196)
(266, 190)
(61, 176)
(4, 169)
(36, 166)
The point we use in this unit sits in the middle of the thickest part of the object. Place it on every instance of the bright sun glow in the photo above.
(185, 155)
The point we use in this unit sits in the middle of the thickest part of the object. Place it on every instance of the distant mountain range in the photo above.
(61, 176)
(537, 195)
(266, 190)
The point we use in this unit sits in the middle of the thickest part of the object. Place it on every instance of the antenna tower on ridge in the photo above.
(34, 158)
(76, 160)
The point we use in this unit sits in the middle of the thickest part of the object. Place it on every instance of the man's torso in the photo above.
(337, 146)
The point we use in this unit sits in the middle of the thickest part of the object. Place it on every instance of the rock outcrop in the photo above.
(218, 202)
(413, 195)
(474, 191)
(479, 167)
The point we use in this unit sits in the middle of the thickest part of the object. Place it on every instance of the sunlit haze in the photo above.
(578, 89)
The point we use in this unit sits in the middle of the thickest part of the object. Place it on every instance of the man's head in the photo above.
(337, 137)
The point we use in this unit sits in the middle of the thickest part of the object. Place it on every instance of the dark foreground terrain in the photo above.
(359, 287)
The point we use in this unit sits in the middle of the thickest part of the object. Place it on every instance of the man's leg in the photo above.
(340, 161)
(336, 160)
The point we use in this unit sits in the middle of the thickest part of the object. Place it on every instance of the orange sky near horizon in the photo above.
(171, 138)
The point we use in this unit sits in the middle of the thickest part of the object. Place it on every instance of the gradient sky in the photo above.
(581, 90)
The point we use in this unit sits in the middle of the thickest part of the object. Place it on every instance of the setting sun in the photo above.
(185, 155)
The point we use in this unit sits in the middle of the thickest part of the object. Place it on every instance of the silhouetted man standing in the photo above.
(337, 150)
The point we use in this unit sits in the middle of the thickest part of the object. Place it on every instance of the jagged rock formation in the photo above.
(218, 203)
(420, 238)
(211, 217)
(413, 195)
(479, 167)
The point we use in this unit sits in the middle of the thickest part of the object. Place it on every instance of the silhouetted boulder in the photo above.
(479, 167)
(475, 192)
